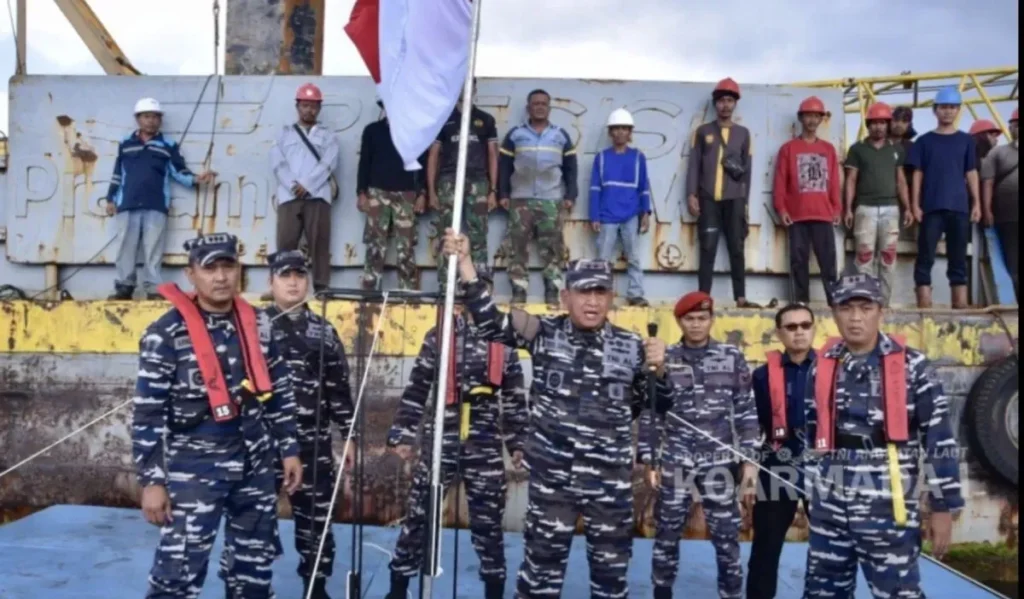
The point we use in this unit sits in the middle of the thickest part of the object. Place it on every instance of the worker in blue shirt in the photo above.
(139, 198)
(779, 393)
(945, 198)
(620, 201)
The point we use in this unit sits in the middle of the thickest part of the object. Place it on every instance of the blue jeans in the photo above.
(956, 226)
(135, 228)
(629, 233)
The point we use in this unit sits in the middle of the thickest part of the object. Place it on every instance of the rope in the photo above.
(807, 496)
(348, 438)
(208, 160)
(98, 419)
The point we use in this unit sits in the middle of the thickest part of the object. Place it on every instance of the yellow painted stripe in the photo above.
(115, 328)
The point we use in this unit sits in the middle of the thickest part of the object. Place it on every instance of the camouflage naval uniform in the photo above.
(479, 458)
(298, 334)
(483, 132)
(588, 387)
(851, 514)
(210, 469)
(721, 399)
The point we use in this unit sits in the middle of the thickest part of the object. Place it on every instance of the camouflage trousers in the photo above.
(540, 221)
(721, 511)
(390, 212)
(557, 496)
(309, 526)
(856, 525)
(474, 220)
(483, 472)
(250, 510)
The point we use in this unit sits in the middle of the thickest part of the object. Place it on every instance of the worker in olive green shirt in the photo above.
(876, 187)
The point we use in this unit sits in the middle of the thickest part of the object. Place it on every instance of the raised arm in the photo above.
(515, 411)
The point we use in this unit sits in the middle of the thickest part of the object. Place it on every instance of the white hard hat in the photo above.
(620, 117)
(148, 105)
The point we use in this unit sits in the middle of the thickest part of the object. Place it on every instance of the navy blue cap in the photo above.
(858, 287)
(291, 260)
(582, 275)
(207, 249)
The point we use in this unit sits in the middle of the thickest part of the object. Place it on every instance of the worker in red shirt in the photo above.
(806, 195)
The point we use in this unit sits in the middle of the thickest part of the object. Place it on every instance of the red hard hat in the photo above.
(984, 126)
(309, 92)
(812, 104)
(1015, 115)
(879, 111)
(727, 86)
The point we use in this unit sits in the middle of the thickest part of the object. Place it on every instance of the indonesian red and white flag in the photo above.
(417, 52)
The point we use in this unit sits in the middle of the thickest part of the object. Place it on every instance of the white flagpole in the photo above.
(433, 561)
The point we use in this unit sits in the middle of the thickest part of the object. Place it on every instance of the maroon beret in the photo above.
(692, 302)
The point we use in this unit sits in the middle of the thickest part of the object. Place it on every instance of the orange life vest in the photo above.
(894, 395)
(777, 394)
(495, 364)
(221, 404)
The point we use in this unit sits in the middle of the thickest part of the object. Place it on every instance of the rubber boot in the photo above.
(662, 592)
(924, 297)
(959, 293)
(122, 293)
(399, 587)
(551, 296)
(494, 589)
(319, 592)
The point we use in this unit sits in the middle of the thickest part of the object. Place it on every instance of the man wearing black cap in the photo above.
(487, 382)
(590, 381)
(321, 384)
(213, 414)
(875, 411)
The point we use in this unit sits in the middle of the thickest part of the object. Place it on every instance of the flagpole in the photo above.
(432, 563)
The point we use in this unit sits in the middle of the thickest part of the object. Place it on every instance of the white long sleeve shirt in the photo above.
(292, 162)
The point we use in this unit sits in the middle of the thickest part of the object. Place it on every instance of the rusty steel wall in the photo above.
(62, 365)
(65, 131)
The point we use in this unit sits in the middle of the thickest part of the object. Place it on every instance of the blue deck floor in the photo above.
(75, 552)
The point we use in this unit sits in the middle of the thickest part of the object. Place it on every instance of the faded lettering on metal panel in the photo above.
(64, 143)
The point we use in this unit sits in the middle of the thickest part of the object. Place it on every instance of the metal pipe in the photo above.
(432, 563)
(991, 107)
(910, 78)
(51, 280)
(21, 65)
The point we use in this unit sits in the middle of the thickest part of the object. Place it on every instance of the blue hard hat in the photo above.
(948, 95)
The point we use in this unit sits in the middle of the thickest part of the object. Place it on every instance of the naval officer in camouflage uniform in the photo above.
(590, 381)
(852, 515)
(193, 469)
(496, 414)
(722, 401)
(298, 331)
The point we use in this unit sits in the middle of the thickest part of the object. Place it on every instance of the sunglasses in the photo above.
(794, 326)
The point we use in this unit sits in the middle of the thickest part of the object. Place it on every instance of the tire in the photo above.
(992, 418)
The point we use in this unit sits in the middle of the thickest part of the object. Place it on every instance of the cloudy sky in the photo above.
(611, 39)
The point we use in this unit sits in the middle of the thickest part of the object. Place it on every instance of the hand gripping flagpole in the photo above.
(432, 562)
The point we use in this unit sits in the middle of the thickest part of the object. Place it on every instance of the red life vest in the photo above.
(777, 394)
(894, 395)
(495, 365)
(221, 404)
